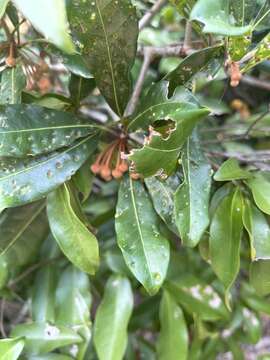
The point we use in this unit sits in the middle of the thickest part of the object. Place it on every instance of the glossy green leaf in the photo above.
(83, 179)
(198, 298)
(162, 193)
(159, 154)
(43, 297)
(75, 240)
(23, 181)
(217, 18)
(12, 84)
(10, 349)
(192, 196)
(112, 317)
(260, 276)
(3, 5)
(32, 130)
(192, 64)
(22, 230)
(156, 105)
(258, 230)
(73, 300)
(260, 188)
(250, 297)
(173, 337)
(42, 338)
(49, 17)
(106, 31)
(230, 170)
(225, 238)
(145, 250)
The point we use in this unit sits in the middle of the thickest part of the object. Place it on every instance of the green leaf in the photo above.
(107, 33)
(73, 301)
(112, 317)
(3, 6)
(159, 154)
(12, 84)
(230, 170)
(83, 180)
(10, 349)
(251, 326)
(75, 240)
(48, 17)
(162, 193)
(258, 230)
(217, 18)
(173, 338)
(42, 338)
(22, 231)
(50, 357)
(260, 276)
(192, 64)
(260, 188)
(23, 181)
(225, 238)
(145, 250)
(156, 105)
(198, 298)
(192, 196)
(43, 297)
(32, 130)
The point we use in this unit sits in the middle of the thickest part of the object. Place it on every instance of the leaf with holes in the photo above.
(24, 181)
(107, 31)
(192, 197)
(160, 153)
(78, 244)
(145, 250)
(112, 317)
(56, 30)
(156, 105)
(173, 338)
(32, 130)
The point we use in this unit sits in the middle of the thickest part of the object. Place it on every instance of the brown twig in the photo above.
(146, 19)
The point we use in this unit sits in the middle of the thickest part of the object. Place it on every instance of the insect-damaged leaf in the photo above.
(192, 197)
(107, 34)
(225, 237)
(156, 105)
(160, 153)
(23, 181)
(32, 130)
(145, 250)
(75, 240)
(173, 337)
(110, 332)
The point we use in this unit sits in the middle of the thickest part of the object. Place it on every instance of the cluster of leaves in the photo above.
(146, 266)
